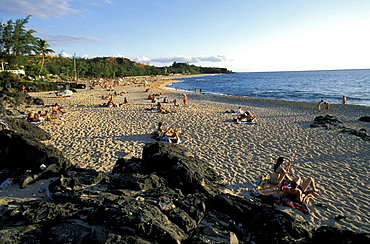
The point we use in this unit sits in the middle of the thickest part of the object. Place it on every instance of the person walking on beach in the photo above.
(319, 106)
(184, 98)
(327, 105)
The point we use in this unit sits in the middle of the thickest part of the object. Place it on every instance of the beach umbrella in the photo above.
(67, 92)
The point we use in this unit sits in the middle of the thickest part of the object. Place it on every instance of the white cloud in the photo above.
(40, 8)
(118, 55)
(141, 59)
(187, 59)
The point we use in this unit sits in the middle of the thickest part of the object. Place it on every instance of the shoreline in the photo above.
(95, 137)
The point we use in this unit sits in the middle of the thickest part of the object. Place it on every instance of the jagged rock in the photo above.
(21, 234)
(360, 133)
(327, 234)
(168, 197)
(20, 156)
(327, 121)
(9, 100)
(28, 129)
(365, 118)
(179, 168)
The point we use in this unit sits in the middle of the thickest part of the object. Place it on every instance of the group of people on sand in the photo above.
(244, 116)
(46, 116)
(295, 187)
(327, 105)
(168, 135)
(112, 101)
(160, 109)
(326, 109)
(155, 97)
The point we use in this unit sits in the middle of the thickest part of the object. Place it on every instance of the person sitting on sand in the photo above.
(165, 100)
(279, 173)
(175, 102)
(111, 103)
(240, 111)
(56, 110)
(249, 117)
(31, 117)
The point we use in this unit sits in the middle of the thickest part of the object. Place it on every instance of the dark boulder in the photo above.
(327, 121)
(365, 118)
(9, 100)
(20, 156)
(28, 129)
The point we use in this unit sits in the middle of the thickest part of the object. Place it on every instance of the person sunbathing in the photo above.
(293, 192)
(47, 116)
(279, 173)
(249, 117)
(56, 110)
(31, 117)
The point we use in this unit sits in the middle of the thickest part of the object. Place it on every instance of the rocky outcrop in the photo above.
(365, 118)
(327, 121)
(168, 196)
(330, 122)
(25, 159)
(10, 101)
(28, 129)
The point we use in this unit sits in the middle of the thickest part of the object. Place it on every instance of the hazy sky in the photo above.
(241, 35)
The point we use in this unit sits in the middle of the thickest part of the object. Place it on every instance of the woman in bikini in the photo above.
(280, 174)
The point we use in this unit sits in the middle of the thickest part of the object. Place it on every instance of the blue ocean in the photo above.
(309, 86)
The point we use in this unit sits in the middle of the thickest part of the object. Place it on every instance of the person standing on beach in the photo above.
(344, 100)
(184, 98)
(327, 105)
(319, 106)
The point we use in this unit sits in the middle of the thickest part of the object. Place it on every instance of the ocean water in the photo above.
(309, 86)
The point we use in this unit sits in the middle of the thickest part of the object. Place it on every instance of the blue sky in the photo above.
(241, 35)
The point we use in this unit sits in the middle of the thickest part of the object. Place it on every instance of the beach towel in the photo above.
(248, 123)
(265, 188)
(302, 206)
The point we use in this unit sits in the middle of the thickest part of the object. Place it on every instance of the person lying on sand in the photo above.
(296, 191)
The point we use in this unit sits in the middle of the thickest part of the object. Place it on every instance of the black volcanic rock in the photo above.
(21, 155)
(27, 128)
(168, 196)
(9, 100)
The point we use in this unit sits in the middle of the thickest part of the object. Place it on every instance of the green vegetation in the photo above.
(21, 50)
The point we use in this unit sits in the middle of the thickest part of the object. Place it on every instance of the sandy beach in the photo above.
(93, 136)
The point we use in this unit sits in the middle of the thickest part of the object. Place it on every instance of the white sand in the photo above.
(95, 137)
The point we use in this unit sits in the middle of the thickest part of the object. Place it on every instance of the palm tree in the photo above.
(42, 48)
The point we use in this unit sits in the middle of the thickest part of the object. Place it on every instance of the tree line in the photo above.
(20, 49)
